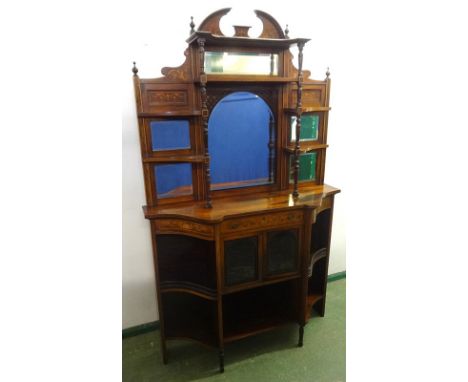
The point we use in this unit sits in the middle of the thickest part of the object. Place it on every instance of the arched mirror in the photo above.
(241, 132)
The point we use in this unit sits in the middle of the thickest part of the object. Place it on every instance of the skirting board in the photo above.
(150, 326)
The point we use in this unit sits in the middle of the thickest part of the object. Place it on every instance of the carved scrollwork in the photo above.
(271, 28)
(176, 74)
(180, 73)
(269, 95)
(294, 72)
(211, 22)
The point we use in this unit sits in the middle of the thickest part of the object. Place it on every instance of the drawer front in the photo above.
(204, 231)
(259, 222)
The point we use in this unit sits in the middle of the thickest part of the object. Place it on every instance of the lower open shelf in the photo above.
(187, 316)
(253, 327)
(257, 310)
(311, 300)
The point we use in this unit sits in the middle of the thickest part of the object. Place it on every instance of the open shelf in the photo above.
(317, 255)
(318, 278)
(187, 262)
(247, 78)
(189, 316)
(314, 257)
(259, 284)
(309, 109)
(175, 158)
(193, 113)
(303, 150)
(188, 287)
(256, 326)
(253, 311)
(237, 41)
(318, 265)
(320, 235)
(311, 300)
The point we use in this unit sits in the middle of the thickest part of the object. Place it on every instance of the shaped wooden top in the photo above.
(272, 35)
(310, 197)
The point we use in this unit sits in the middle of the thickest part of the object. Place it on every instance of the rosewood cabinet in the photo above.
(233, 146)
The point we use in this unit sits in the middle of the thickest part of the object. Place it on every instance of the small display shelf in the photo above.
(260, 309)
(189, 316)
(316, 256)
(187, 262)
(309, 109)
(312, 299)
(320, 235)
(318, 266)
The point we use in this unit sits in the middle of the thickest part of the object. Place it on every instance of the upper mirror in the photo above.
(241, 63)
(241, 132)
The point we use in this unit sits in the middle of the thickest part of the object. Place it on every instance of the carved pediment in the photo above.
(271, 27)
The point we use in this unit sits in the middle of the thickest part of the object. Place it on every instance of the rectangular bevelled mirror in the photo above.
(173, 180)
(170, 135)
(307, 167)
(309, 127)
(241, 63)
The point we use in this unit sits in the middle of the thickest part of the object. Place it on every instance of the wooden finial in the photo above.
(328, 73)
(192, 25)
(286, 32)
(134, 69)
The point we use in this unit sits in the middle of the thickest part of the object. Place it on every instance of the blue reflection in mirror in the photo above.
(240, 142)
(170, 135)
(173, 179)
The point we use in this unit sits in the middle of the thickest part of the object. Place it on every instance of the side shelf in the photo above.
(190, 317)
(318, 263)
(187, 264)
(253, 311)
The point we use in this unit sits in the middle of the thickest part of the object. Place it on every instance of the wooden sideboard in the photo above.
(240, 215)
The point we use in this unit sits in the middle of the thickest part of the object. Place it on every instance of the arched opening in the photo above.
(241, 132)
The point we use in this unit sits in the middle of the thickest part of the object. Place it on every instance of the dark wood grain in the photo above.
(192, 244)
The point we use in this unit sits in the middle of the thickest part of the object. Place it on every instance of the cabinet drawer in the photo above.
(258, 222)
(184, 226)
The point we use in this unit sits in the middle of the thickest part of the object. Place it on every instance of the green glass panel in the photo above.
(309, 127)
(307, 166)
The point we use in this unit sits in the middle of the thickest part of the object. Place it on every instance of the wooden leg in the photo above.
(301, 336)
(164, 351)
(221, 361)
(321, 307)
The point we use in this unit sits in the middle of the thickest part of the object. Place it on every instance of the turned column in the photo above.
(205, 115)
(297, 147)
